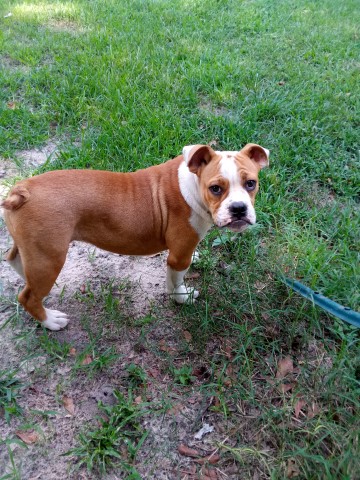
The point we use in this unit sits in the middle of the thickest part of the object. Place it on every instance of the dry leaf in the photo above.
(28, 437)
(11, 105)
(138, 400)
(208, 473)
(230, 379)
(270, 380)
(188, 336)
(154, 372)
(228, 348)
(69, 404)
(313, 410)
(187, 452)
(286, 387)
(298, 407)
(216, 401)
(87, 359)
(292, 470)
(285, 366)
(213, 458)
(83, 289)
(231, 372)
(193, 400)
(176, 409)
(190, 471)
(166, 348)
(72, 351)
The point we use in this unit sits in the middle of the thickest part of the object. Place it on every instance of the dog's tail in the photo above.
(17, 197)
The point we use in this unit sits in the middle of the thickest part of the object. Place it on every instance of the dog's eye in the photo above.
(250, 185)
(215, 189)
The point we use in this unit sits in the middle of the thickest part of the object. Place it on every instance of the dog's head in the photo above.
(228, 182)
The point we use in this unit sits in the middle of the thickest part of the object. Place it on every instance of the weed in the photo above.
(110, 296)
(15, 473)
(91, 254)
(10, 387)
(245, 454)
(207, 261)
(52, 346)
(116, 441)
(137, 375)
(143, 321)
(92, 362)
(183, 375)
(11, 306)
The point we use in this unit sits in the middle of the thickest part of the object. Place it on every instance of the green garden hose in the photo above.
(344, 313)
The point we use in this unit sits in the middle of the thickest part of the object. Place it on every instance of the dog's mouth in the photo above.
(238, 225)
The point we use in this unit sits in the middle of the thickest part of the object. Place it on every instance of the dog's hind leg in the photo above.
(41, 268)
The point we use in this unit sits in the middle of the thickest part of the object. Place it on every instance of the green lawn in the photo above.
(126, 84)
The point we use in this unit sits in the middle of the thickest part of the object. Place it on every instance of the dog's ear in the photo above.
(197, 155)
(259, 154)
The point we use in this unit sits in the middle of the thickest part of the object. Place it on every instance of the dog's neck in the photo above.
(201, 218)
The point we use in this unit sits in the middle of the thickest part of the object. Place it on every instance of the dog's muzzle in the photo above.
(238, 225)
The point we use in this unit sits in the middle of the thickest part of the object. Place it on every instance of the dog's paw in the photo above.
(182, 294)
(55, 320)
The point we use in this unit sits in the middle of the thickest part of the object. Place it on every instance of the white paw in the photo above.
(55, 320)
(195, 257)
(182, 294)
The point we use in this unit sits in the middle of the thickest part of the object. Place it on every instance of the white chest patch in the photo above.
(200, 218)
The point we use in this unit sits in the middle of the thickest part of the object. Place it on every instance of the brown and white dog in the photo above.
(168, 206)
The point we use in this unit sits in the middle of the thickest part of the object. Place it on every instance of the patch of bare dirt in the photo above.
(37, 156)
(209, 108)
(27, 160)
(13, 64)
(8, 170)
(66, 26)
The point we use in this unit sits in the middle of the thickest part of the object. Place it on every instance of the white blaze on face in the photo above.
(237, 193)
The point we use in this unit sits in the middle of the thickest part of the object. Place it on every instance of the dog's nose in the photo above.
(238, 209)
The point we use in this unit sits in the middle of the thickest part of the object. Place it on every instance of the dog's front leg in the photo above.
(176, 270)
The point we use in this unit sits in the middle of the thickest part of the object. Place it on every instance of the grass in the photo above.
(119, 431)
(10, 387)
(183, 375)
(124, 85)
(137, 375)
(97, 362)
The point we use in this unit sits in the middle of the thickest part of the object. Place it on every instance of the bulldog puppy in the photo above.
(164, 207)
